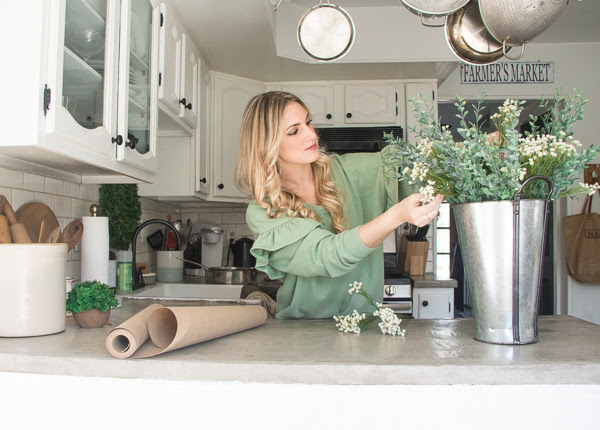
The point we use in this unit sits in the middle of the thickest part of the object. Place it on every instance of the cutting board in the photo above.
(31, 216)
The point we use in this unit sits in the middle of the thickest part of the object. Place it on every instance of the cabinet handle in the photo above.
(329, 116)
(349, 115)
(220, 186)
(425, 303)
(131, 144)
(118, 140)
(203, 180)
(183, 101)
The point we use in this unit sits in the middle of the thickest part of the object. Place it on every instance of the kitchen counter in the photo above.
(432, 352)
(306, 374)
(429, 280)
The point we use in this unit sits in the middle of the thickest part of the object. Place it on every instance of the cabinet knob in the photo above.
(118, 140)
(349, 115)
(329, 116)
(220, 186)
(131, 144)
(203, 180)
(425, 303)
(185, 104)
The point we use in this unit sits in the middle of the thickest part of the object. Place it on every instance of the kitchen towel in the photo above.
(94, 249)
(158, 329)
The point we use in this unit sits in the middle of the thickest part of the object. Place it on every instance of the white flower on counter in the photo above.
(355, 322)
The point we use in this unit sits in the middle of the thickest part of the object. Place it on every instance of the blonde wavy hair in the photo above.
(256, 171)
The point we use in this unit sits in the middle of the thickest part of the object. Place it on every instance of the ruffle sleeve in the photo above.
(302, 247)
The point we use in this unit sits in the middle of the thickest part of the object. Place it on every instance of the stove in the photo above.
(397, 293)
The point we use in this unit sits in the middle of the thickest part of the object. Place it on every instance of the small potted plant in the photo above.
(90, 303)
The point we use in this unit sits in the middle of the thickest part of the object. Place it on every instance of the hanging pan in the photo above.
(468, 38)
(326, 32)
(516, 22)
(428, 9)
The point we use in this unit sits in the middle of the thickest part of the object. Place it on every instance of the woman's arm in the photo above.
(408, 210)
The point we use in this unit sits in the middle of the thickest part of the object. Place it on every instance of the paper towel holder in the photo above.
(94, 210)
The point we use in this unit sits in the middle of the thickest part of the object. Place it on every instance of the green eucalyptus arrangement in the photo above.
(90, 295)
(121, 204)
(485, 167)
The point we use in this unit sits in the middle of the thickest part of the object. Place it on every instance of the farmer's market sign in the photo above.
(508, 73)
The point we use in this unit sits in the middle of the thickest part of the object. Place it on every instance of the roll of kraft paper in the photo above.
(158, 329)
(94, 249)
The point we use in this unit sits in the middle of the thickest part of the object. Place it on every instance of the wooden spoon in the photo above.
(72, 233)
(53, 236)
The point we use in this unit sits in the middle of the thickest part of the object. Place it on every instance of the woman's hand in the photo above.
(408, 210)
(414, 213)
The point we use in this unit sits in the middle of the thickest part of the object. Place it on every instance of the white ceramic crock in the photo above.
(32, 289)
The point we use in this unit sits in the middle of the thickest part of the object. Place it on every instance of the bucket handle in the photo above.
(505, 52)
(516, 257)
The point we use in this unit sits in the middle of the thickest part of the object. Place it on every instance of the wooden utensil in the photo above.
(4, 230)
(53, 236)
(72, 233)
(18, 232)
(31, 216)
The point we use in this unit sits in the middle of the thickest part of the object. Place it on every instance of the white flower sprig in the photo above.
(355, 322)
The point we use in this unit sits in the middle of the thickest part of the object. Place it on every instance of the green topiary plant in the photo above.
(90, 295)
(121, 204)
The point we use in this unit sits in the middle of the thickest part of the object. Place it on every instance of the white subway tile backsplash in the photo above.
(6, 192)
(64, 207)
(89, 192)
(20, 197)
(54, 186)
(232, 218)
(11, 178)
(33, 182)
(71, 190)
(48, 199)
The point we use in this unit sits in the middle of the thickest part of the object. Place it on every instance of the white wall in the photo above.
(575, 66)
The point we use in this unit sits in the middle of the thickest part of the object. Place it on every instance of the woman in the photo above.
(318, 221)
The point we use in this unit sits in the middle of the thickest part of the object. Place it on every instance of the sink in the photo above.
(183, 291)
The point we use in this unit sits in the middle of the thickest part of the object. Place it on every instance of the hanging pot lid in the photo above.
(469, 39)
(434, 7)
(326, 32)
(516, 22)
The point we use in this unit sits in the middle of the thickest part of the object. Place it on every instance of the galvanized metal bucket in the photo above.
(502, 246)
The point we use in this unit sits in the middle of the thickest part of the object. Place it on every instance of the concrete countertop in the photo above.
(429, 280)
(433, 352)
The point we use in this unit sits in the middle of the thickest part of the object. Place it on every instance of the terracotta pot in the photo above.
(92, 318)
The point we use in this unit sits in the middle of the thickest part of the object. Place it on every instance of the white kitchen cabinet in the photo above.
(320, 101)
(230, 95)
(91, 87)
(370, 104)
(178, 70)
(350, 103)
(433, 303)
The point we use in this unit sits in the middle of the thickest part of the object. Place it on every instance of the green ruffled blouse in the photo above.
(316, 265)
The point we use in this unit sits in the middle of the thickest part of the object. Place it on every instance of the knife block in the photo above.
(412, 256)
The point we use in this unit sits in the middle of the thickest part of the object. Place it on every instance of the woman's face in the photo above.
(299, 142)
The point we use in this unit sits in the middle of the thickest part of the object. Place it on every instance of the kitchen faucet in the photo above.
(137, 280)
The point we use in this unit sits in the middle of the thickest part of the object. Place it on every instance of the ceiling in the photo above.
(235, 37)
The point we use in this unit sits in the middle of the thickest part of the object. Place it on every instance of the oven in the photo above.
(397, 294)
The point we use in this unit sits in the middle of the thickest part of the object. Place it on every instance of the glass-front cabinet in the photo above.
(102, 70)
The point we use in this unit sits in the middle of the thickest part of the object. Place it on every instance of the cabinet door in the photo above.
(230, 99)
(414, 91)
(189, 82)
(203, 160)
(433, 303)
(370, 104)
(137, 118)
(169, 65)
(319, 100)
(82, 77)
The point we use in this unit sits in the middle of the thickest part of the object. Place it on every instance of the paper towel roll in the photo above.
(94, 249)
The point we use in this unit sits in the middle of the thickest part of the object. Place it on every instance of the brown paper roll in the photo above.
(177, 327)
